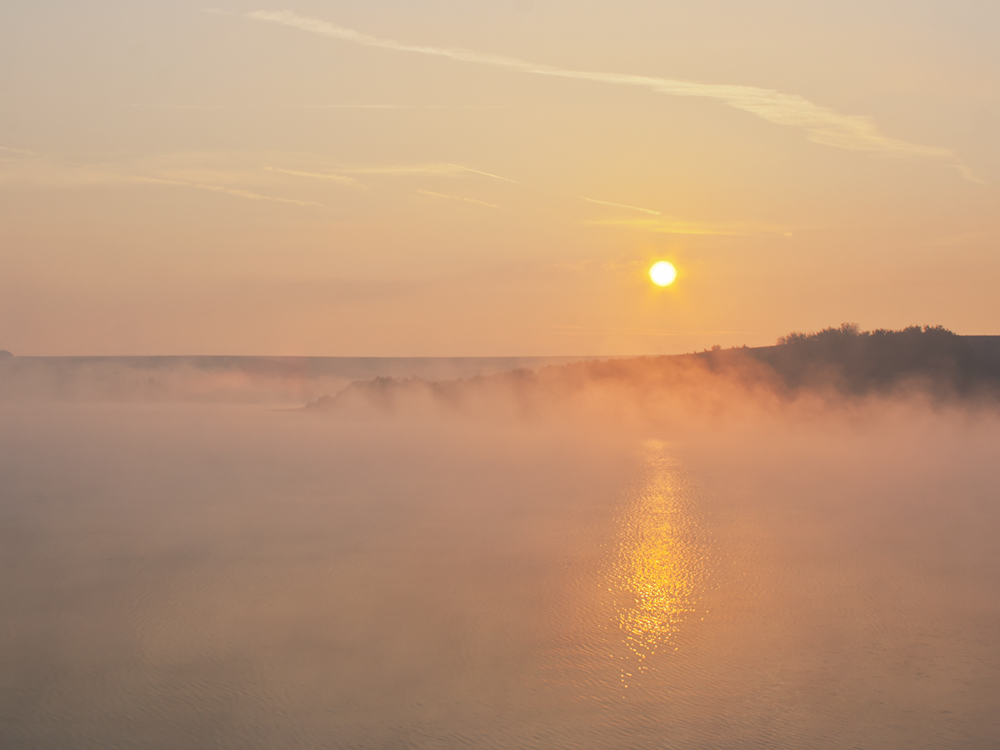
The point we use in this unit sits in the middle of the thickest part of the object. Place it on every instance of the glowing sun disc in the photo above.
(663, 273)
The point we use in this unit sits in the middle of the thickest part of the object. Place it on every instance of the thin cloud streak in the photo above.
(318, 106)
(458, 198)
(419, 169)
(675, 226)
(47, 172)
(221, 189)
(409, 169)
(394, 171)
(622, 205)
(485, 174)
(404, 169)
(342, 179)
(823, 125)
(27, 167)
(968, 174)
(179, 106)
(390, 106)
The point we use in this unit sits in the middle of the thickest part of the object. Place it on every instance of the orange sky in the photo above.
(455, 178)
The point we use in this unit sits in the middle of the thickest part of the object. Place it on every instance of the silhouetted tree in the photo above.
(859, 361)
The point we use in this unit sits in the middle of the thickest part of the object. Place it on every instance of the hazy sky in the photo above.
(471, 178)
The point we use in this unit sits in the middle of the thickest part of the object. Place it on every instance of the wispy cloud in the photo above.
(343, 179)
(649, 211)
(477, 171)
(392, 106)
(668, 225)
(179, 106)
(968, 174)
(18, 151)
(403, 170)
(231, 173)
(418, 169)
(42, 171)
(458, 198)
(823, 125)
(223, 189)
(316, 106)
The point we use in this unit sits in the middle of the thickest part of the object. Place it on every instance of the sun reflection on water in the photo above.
(661, 556)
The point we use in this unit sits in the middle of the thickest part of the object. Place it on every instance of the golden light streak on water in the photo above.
(661, 557)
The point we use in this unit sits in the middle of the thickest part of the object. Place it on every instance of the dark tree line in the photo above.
(859, 361)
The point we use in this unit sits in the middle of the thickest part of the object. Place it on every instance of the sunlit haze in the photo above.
(454, 178)
(526, 375)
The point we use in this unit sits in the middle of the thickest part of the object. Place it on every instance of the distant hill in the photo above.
(861, 362)
(835, 362)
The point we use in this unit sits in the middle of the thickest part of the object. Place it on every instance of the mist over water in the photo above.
(234, 576)
(567, 486)
(226, 379)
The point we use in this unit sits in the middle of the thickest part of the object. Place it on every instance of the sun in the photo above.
(663, 273)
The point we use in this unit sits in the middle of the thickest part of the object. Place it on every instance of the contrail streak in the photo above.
(221, 189)
(459, 198)
(317, 175)
(823, 125)
(401, 170)
(622, 205)
(391, 106)
(476, 171)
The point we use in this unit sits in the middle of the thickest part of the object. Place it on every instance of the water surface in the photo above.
(234, 577)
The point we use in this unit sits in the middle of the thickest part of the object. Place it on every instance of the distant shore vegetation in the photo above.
(857, 361)
(838, 365)
(834, 363)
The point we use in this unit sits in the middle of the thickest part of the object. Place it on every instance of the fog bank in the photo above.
(230, 576)
(224, 379)
(841, 368)
(736, 548)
